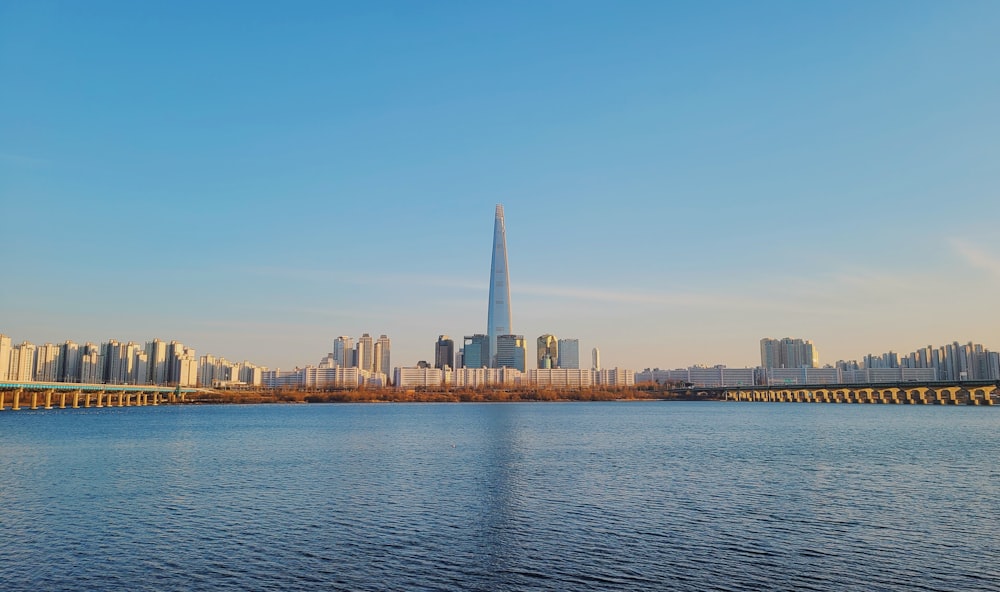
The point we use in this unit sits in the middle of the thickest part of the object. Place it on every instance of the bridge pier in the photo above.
(48, 399)
(76, 399)
(980, 395)
(17, 400)
(3, 400)
(34, 400)
(947, 396)
(62, 399)
(100, 399)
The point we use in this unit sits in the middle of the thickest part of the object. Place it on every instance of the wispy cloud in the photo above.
(366, 279)
(976, 257)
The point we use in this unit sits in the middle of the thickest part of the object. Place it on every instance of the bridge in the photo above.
(965, 392)
(63, 395)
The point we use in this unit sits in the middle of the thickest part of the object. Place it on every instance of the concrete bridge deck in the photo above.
(966, 392)
(63, 395)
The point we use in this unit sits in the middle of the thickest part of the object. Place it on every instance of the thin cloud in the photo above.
(976, 257)
(362, 279)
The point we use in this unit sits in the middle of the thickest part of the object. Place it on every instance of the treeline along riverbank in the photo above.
(456, 395)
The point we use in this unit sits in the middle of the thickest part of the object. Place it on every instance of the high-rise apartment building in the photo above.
(788, 353)
(156, 354)
(364, 353)
(22, 362)
(91, 364)
(499, 318)
(444, 352)
(343, 351)
(548, 351)
(512, 352)
(569, 354)
(596, 359)
(69, 363)
(47, 359)
(6, 348)
(381, 356)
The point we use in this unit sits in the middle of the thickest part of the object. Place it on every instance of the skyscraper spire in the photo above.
(499, 311)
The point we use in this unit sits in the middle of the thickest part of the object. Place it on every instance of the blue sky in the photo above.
(680, 179)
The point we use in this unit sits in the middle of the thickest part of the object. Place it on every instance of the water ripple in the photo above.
(657, 496)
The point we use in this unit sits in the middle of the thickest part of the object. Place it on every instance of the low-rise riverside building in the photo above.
(561, 378)
(718, 376)
(315, 377)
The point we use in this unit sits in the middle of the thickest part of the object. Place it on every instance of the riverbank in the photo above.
(390, 395)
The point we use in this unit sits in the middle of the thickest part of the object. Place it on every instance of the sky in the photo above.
(680, 179)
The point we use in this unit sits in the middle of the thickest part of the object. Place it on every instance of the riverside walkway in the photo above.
(64, 395)
(965, 392)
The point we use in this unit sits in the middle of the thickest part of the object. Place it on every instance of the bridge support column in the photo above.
(17, 400)
(891, 395)
(947, 396)
(156, 398)
(48, 399)
(3, 400)
(121, 394)
(980, 395)
(76, 399)
(34, 399)
(100, 399)
(62, 399)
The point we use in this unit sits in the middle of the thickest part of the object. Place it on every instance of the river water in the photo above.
(534, 496)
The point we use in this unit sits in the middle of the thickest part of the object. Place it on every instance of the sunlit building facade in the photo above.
(499, 318)
(548, 351)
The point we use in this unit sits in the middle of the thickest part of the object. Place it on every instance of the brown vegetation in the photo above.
(434, 395)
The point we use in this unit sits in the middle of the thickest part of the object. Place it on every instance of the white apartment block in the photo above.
(6, 349)
(421, 377)
(615, 377)
(47, 359)
(561, 378)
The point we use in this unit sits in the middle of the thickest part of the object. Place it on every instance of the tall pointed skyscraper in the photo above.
(499, 311)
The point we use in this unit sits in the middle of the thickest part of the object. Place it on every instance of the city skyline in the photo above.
(680, 180)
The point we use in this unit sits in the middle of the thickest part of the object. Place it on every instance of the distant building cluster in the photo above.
(349, 365)
(498, 357)
(556, 378)
(715, 376)
(791, 361)
(971, 361)
(154, 363)
(788, 352)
